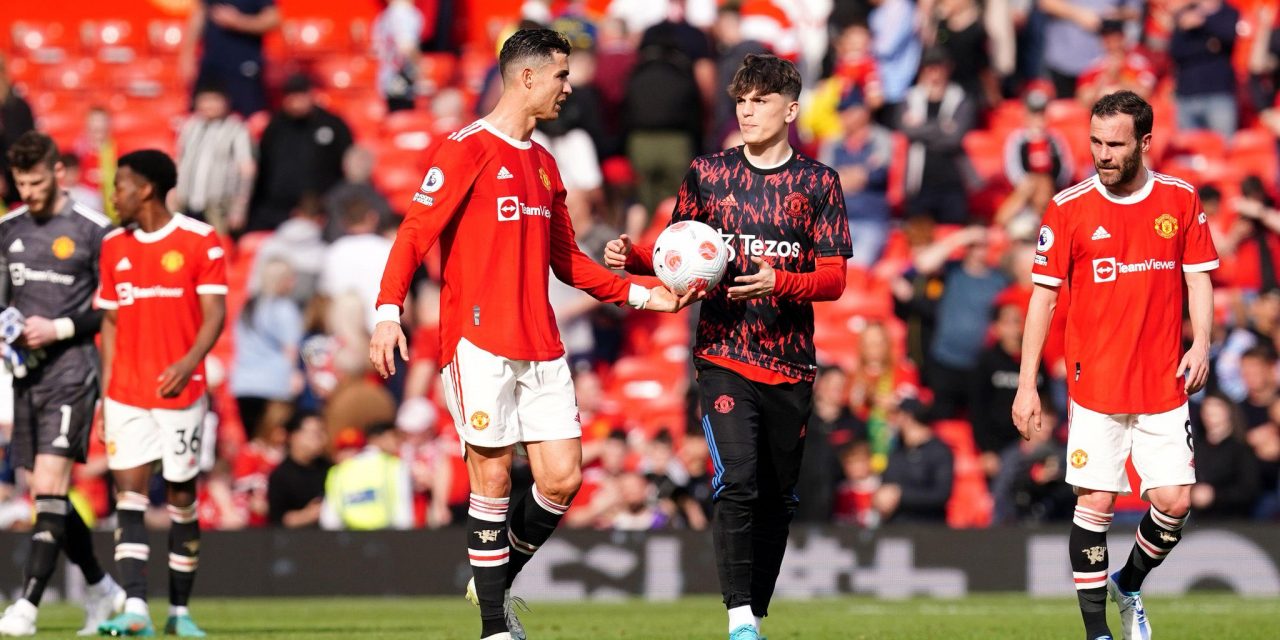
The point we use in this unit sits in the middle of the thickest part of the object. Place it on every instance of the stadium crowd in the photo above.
(951, 122)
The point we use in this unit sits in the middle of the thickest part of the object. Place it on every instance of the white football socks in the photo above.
(739, 616)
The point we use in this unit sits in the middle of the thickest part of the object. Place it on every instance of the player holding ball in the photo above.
(782, 216)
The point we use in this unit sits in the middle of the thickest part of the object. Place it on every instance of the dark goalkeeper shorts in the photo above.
(52, 419)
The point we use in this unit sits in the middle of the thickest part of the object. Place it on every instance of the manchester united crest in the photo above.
(546, 180)
(479, 421)
(724, 404)
(63, 247)
(796, 205)
(172, 261)
(1079, 458)
(1166, 226)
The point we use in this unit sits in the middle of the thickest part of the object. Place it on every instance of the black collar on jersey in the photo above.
(765, 172)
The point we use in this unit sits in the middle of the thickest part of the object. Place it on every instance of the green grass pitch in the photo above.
(1199, 617)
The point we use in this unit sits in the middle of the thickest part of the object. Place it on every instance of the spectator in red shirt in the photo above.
(1120, 67)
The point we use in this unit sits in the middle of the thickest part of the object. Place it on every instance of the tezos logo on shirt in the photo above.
(754, 245)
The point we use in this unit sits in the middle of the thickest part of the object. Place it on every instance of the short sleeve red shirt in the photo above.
(154, 282)
(1122, 260)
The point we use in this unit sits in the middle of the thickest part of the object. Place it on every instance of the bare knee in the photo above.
(1100, 501)
(50, 476)
(560, 487)
(1171, 501)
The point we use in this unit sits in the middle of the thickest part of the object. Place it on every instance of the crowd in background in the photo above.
(951, 122)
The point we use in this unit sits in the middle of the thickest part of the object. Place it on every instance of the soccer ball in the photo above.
(690, 256)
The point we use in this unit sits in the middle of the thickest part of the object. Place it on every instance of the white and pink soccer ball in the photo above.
(690, 256)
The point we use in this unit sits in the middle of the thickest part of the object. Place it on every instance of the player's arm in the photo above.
(831, 243)
(106, 300)
(1195, 362)
(213, 310)
(187, 52)
(1026, 404)
(576, 269)
(107, 352)
(1199, 257)
(40, 332)
(445, 189)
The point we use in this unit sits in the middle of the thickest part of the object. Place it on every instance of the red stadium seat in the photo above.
(355, 73)
(397, 181)
(64, 124)
(165, 37)
(1200, 146)
(986, 155)
(411, 130)
(312, 37)
(1253, 151)
(112, 41)
(42, 41)
(159, 138)
(76, 75)
(437, 71)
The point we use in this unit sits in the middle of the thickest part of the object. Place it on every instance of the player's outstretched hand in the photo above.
(387, 338)
(756, 285)
(662, 299)
(1195, 363)
(616, 252)
(175, 378)
(1026, 411)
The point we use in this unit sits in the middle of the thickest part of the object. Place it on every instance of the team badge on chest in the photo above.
(796, 205)
(1166, 226)
(63, 247)
(171, 261)
(546, 180)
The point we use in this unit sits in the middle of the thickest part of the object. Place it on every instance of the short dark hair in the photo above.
(155, 166)
(524, 44)
(1210, 193)
(295, 421)
(378, 428)
(69, 159)
(764, 74)
(32, 149)
(1261, 351)
(1130, 104)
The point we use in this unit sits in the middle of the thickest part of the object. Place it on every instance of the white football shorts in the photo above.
(497, 402)
(1098, 445)
(137, 437)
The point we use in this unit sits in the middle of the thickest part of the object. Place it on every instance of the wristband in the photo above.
(64, 328)
(387, 313)
(638, 297)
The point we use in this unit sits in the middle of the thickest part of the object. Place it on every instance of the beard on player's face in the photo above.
(1128, 168)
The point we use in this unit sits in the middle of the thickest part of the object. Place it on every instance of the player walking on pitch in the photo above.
(164, 287)
(49, 248)
(496, 203)
(1123, 242)
(783, 217)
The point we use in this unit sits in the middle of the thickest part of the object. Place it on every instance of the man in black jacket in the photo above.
(917, 482)
(300, 154)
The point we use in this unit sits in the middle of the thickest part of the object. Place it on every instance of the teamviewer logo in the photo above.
(508, 209)
(1104, 270)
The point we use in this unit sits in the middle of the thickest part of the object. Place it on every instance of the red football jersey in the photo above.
(154, 282)
(1123, 260)
(496, 205)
